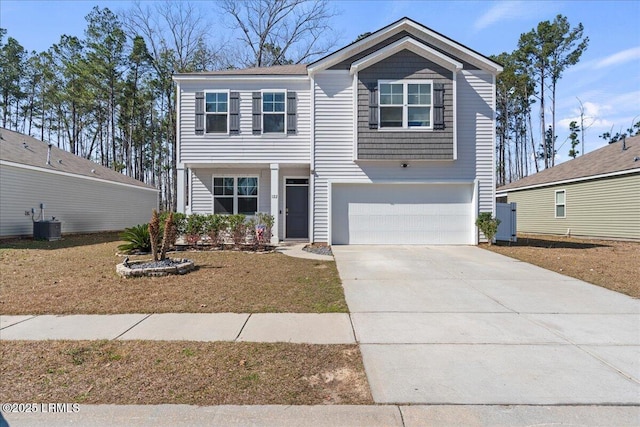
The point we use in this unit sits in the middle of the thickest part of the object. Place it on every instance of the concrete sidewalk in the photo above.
(329, 328)
(296, 250)
(329, 416)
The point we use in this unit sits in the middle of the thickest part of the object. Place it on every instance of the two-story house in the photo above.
(388, 140)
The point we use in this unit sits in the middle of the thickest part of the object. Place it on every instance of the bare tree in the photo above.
(179, 29)
(583, 127)
(282, 31)
(176, 34)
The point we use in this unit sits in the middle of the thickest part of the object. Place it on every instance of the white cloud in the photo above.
(500, 11)
(595, 116)
(617, 110)
(619, 58)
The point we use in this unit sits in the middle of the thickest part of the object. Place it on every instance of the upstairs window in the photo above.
(405, 104)
(273, 112)
(391, 105)
(235, 195)
(216, 112)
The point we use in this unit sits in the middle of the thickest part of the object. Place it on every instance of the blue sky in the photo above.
(607, 79)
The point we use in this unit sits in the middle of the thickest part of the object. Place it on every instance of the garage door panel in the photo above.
(402, 214)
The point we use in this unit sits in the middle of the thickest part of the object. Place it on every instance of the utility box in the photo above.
(47, 230)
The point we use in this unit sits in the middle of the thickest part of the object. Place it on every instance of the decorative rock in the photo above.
(318, 249)
(155, 268)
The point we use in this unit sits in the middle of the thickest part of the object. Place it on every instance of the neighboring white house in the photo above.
(83, 195)
(388, 140)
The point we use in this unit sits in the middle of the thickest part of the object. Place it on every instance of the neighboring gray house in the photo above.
(388, 140)
(83, 195)
(594, 195)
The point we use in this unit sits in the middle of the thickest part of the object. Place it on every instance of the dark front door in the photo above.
(297, 209)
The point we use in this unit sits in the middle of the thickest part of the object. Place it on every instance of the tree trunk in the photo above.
(542, 123)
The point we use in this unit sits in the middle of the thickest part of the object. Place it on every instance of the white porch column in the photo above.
(180, 185)
(275, 202)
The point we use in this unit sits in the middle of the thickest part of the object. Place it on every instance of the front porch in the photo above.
(282, 190)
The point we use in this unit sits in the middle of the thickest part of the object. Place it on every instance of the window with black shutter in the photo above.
(234, 113)
(402, 104)
(438, 106)
(256, 110)
(373, 105)
(199, 126)
(291, 113)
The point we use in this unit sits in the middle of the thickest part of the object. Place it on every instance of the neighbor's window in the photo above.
(237, 195)
(273, 112)
(405, 104)
(560, 203)
(216, 112)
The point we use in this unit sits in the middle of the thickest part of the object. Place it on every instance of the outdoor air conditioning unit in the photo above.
(47, 230)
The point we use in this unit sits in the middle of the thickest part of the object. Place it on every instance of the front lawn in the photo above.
(611, 264)
(77, 275)
(194, 373)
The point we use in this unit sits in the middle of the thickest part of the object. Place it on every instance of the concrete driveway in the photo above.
(461, 325)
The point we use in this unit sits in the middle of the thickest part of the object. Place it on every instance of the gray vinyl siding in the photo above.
(334, 144)
(476, 125)
(374, 144)
(81, 204)
(607, 207)
(245, 147)
(346, 64)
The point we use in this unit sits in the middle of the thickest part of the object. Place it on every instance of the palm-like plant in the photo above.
(137, 238)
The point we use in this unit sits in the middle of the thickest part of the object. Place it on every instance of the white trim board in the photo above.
(411, 44)
(236, 77)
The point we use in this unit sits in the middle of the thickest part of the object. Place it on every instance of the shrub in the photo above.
(250, 234)
(488, 225)
(264, 220)
(179, 219)
(194, 228)
(137, 238)
(214, 225)
(237, 228)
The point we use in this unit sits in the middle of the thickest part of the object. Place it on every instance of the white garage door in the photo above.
(402, 214)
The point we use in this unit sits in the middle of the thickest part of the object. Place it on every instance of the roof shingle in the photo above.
(609, 159)
(285, 70)
(26, 150)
